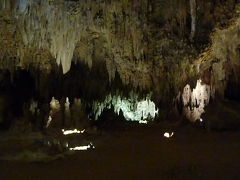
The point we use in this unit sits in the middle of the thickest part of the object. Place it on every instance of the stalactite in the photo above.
(193, 11)
(65, 28)
(137, 50)
(51, 27)
(133, 108)
(21, 5)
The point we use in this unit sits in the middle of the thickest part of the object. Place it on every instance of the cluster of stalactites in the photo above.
(48, 26)
(133, 108)
(66, 28)
(195, 100)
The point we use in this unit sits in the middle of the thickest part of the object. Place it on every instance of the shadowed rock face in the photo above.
(148, 44)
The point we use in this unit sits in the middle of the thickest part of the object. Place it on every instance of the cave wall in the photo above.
(219, 63)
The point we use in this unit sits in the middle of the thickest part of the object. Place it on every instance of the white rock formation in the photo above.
(67, 104)
(196, 100)
(54, 104)
(133, 108)
(67, 113)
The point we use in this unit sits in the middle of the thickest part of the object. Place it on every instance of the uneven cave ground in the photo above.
(119, 89)
(134, 151)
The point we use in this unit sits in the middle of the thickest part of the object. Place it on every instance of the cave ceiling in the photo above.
(152, 44)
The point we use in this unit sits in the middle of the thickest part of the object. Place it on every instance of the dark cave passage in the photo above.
(28, 93)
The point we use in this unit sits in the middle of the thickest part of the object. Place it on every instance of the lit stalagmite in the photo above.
(195, 100)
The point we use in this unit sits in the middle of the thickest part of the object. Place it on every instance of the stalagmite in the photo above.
(67, 113)
(54, 114)
(49, 121)
(186, 95)
(33, 107)
(54, 104)
(67, 104)
(196, 100)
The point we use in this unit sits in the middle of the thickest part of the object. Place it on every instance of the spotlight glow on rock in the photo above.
(74, 131)
(82, 148)
(143, 122)
(168, 135)
(49, 121)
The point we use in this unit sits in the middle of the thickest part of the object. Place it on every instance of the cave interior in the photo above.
(149, 88)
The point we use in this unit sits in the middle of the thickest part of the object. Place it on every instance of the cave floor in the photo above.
(141, 152)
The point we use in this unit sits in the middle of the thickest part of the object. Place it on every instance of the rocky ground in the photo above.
(132, 152)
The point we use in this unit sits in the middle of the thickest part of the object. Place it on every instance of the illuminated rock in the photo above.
(143, 122)
(82, 148)
(67, 114)
(195, 101)
(55, 114)
(168, 135)
(133, 109)
(49, 121)
(54, 104)
(74, 131)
